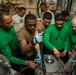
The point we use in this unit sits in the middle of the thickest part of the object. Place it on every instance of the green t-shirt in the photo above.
(54, 38)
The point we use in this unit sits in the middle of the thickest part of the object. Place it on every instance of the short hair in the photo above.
(16, 8)
(30, 17)
(47, 15)
(2, 14)
(43, 3)
(22, 8)
(59, 17)
(65, 13)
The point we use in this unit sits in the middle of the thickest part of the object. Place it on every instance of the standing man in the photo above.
(18, 19)
(44, 9)
(43, 25)
(28, 43)
(9, 43)
(55, 38)
(72, 40)
(72, 36)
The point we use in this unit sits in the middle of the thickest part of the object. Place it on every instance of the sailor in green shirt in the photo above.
(68, 18)
(72, 36)
(9, 41)
(56, 39)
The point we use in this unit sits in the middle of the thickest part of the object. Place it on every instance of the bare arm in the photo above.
(24, 46)
(37, 47)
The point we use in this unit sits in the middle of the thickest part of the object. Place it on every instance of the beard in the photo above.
(31, 31)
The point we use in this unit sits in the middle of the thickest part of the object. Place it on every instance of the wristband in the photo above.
(34, 41)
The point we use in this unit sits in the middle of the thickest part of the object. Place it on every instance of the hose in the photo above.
(22, 70)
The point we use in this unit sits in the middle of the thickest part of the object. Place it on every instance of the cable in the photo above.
(22, 70)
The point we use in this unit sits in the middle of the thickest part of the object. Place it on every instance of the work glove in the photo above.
(38, 38)
(38, 59)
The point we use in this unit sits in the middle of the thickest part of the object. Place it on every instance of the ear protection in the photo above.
(47, 4)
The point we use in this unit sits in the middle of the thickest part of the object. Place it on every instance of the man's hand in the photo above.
(70, 54)
(56, 52)
(63, 53)
(38, 38)
(38, 59)
(31, 64)
(73, 49)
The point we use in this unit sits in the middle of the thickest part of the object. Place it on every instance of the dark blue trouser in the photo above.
(18, 68)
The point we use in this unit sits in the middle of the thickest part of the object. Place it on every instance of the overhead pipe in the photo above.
(69, 5)
(2, 4)
(71, 1)
(38, 8)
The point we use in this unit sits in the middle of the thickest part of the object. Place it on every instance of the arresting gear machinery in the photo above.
(5, 67)
(53, 66)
